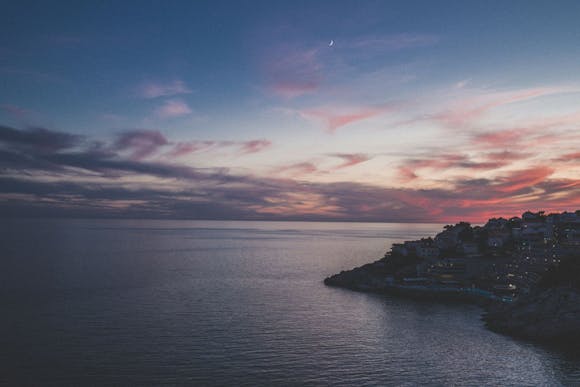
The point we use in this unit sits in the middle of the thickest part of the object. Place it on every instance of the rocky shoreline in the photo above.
(371, 278)
(525, 272)
(547, 314)
(551, 315)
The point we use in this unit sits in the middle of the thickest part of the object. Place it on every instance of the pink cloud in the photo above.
(444, 162)
(538, 132)
(140, 143)
(500, 139)
(244, 147)
(154, 90)
(291, 72)
(291, 90)
(173, 108)
(14, 110)
(468, 112)
(406, 174)
(570, 157)
(350, 160)
(298, 169)
(506, 156)
(526, 178)
(184, 148)
(254, 146)
(334, 120)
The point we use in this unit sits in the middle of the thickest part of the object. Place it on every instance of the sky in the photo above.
(394, 111)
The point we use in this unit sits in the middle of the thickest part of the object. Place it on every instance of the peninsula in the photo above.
(524, 270)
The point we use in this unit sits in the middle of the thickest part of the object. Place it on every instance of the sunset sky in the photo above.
(413, 111)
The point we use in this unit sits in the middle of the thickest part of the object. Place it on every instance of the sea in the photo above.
(236, 303)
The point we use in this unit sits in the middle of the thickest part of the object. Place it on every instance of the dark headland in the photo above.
(524, 271)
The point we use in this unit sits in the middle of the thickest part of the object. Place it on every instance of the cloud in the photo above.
(406, 174)
(570, 157)
(462, 84)
(154, 90)
(335, 117)
(523, 137)
(298, 169)
(244, 147)
(523, 179)
(173, 108)
(14, 110)
(506, 156)
(293, 89)
(38, 139)
(57, 174)
(291, 71)
(447, 162)
(184, 148)
(351, 159)
(254, 146)
(500, 139)
(140, 143)
(468, 112)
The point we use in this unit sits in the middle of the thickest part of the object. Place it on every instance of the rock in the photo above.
(370, 277)
(548, 315)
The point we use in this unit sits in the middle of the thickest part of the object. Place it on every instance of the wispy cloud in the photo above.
(334, 118)
(173, 108)
(500, 139)
(88, 181)
(38, 139)
(570, 157)
(15, 111)
(467, 113)
(255, 146)
(243, 147)
(518, 180)
(351, 159)
(462, 84)
(292, 71)
(156, 89)
(140, 143)
(506, 156)
(297, 170)
(184, 148)
(449, 162)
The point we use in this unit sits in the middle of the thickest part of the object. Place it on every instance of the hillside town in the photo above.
(524, 271)
(499, 261)
(502, 258)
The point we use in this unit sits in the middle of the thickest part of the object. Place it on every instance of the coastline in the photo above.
(549, 316)
(524, 273)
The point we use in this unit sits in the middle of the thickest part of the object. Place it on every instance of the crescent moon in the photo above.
(331, 43)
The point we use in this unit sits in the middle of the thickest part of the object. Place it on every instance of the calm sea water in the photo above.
(234, 303)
